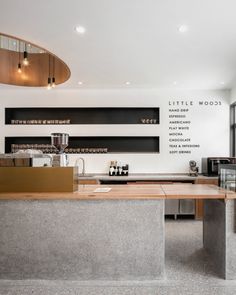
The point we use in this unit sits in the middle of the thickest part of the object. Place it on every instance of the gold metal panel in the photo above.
(37, 179)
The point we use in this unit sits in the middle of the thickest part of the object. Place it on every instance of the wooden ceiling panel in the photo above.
(36, 74)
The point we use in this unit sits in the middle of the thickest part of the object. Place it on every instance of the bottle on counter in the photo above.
(113, 168)
(120, 170)
(111, 171)
(125, 170)
(116, 170)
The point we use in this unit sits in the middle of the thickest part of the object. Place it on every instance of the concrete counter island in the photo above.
(94, 235)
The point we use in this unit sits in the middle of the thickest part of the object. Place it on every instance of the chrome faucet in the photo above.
(77, 164)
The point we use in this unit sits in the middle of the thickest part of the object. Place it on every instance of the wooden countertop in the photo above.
(194, 191)
(135, 192)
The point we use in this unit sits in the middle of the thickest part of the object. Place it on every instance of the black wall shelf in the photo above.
(100, 115)
(80, 144)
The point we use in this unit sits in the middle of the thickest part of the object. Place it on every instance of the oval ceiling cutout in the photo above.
(25, 64)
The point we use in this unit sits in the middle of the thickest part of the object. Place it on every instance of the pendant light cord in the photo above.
(19, 51)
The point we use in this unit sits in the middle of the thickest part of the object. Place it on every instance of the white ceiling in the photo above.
(132, 40)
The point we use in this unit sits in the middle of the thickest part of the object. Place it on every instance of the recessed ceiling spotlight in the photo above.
(127, 83)
(80, 83)
(183, 28)
(80, 29)
(175, 83)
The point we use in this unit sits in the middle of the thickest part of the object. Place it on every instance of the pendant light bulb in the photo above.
(53, 82)
(19, 68)
(49, 84)
(25, 60)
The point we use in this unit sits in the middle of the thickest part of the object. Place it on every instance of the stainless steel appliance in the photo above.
(41, 160)
(60, 141)
(210, 165)
(179, 207)
(193, 169)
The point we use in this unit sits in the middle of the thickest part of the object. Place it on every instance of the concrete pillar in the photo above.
(219, 236)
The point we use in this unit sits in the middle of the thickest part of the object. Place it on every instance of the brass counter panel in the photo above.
(37, 179)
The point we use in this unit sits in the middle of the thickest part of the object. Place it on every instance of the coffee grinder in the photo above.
(60, 142)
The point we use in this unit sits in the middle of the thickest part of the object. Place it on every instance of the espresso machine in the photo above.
(60, 142)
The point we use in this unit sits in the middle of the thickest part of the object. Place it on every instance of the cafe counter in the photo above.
(95, 233)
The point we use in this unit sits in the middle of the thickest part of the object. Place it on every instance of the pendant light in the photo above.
(49, 74)
(19, 70)
(53, 82)
(25, 60)
(53, 73)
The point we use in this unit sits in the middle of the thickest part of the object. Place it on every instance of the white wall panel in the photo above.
(209, 124)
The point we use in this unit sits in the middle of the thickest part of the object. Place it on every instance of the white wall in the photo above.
(209, 123)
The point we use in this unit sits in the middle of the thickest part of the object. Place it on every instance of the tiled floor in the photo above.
(188, 271)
